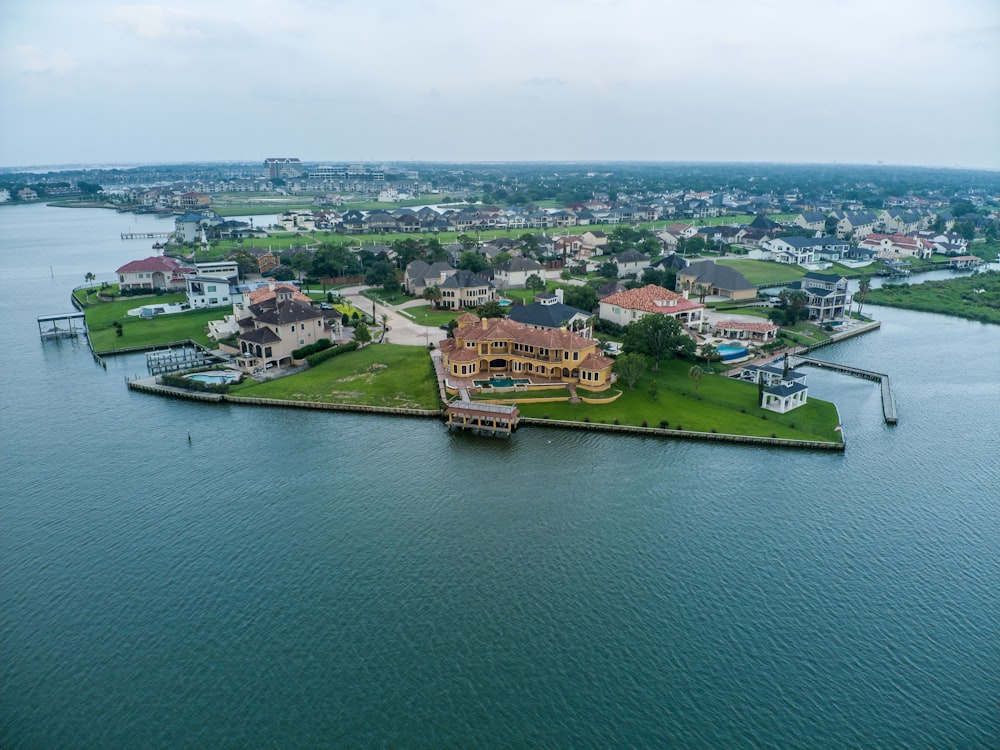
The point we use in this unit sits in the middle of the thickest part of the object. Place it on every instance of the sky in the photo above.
(914, 82)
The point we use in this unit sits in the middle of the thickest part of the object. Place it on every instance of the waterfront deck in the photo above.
(888, 403)
(63, 325)
(482, 418)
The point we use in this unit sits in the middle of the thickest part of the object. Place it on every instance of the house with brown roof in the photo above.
(741, 330)
(280, 320)
(631, 305)
(491, 345)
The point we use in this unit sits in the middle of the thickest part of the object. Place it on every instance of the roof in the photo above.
(520, 264)
(547, 316)
(721, 277)
(284, 312)
(154, 263)
(262, 335)
(652, 298)
(744, 325)
(502, 329)
(785, 390)
(463, 279)
(631, 256)
(265, 293)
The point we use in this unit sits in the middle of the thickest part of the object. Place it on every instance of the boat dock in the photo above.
(482, 418)
(888, 403)
(64, 325)
(144, 235)
(172, 360)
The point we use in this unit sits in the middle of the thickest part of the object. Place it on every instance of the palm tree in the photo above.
(863, 286)
(90, 278)
(433, 295)
(696, 373)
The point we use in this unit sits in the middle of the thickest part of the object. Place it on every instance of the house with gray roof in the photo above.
(719, 280)
(826, 295)
(419, 275)
(514, 273)
(548, 311)
(466, 289)
(631, 263)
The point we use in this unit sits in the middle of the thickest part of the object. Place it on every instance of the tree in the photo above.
(660, 277)
(580, 297)
(384, 320)
(608, 269)
(468, 242)
(379, 273)
(863, 286)
(90, 278)
(629, 368)
(472, 261)
(702, 291)
(529, 242)
(501, 257)
(491, 309)
(433, 295)
(283, 273)
(391, 285)
(696, 373)
(658, 336)
(535, 282)
(565, 274)
(361, 333)
(710, 353)
(436, 252)
(792, 307)
(302, 263)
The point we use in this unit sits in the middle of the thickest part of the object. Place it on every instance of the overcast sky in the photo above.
(849, 81)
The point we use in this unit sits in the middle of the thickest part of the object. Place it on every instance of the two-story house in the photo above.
(826, 295)
(483, 346)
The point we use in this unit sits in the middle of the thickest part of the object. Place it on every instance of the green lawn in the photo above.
(163, 329)
(727, 405)
(377, 375)
(425, 315)
(759, 272)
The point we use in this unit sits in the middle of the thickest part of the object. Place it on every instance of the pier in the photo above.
(482, 418)
(65, 325)
(888, 404)
(144, 235)
(172, 360)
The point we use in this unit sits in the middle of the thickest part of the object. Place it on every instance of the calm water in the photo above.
(297, 579)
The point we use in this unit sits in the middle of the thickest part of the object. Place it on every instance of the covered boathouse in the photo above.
(482, 418)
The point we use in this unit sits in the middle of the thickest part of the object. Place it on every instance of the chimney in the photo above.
(484, 322)
(559, 295)
(270, 283)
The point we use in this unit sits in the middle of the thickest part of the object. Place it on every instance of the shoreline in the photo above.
(150, 386)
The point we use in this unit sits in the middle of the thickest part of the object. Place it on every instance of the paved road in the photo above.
(402, 330)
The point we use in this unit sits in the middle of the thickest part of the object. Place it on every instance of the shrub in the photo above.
(333, 351)
(679, 427)
(664, 424)
(545, 416)
(305, 351)
(645, 423)
(616, 421)
(714, 430)
(586, 419)
(773, 435)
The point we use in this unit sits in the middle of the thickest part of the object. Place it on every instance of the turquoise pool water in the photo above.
(501, 382)
(729, 353)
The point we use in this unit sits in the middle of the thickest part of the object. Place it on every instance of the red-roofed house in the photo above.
(482, 346)
(890, 245)
(628, 306)
(746, 330)
(157, 272)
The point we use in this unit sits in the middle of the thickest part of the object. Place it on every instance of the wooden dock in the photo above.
(482, 418)
(144, 235)
(888, 403)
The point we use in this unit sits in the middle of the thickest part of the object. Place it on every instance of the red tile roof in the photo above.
(501, 329)
(154, 263)
(652, 298)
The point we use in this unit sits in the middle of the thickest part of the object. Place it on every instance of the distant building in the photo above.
(631, 305)
(283, 167)
(156, 272)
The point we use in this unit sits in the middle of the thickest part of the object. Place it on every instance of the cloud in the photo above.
(26, 59)
(158, 22)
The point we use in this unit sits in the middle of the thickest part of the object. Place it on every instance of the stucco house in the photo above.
(156, 272)
(631, 305)
(277, 326)
(466, 289)
(742, 330)
(631, 263)
(482, 346)
(420, 275)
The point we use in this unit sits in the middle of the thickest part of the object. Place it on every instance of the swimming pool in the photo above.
(215, 378)
(729, 352)
(501, 382)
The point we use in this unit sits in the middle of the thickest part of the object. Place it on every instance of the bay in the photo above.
(289, 578)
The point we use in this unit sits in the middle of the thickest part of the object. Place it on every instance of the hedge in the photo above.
(179, 381)
(333, 351)
(305, 351)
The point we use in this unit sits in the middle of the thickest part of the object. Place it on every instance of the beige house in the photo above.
(466, 289)
(277, 326)
(631, 305)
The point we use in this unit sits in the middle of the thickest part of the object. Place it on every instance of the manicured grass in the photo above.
(377, 294)
(760, 272)
(425, 315)
(727, 405)
(387, 375)
(960, 296)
